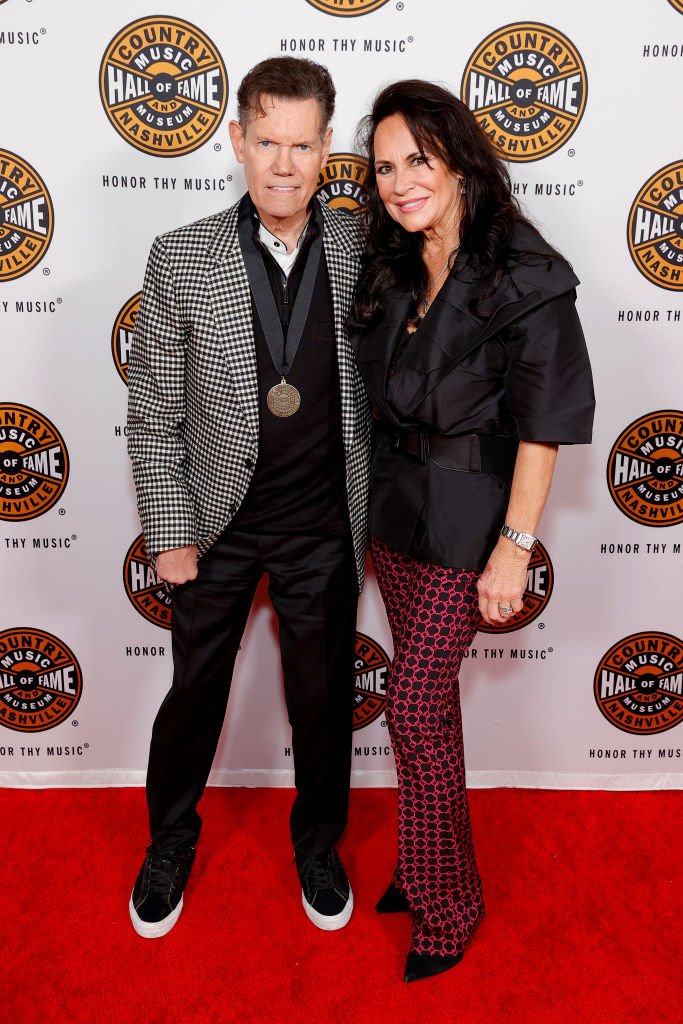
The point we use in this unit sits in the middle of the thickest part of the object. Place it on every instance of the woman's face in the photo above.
(420, 194)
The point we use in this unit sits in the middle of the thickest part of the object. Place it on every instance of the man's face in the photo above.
(283, 153)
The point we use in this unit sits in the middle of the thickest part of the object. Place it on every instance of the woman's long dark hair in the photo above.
(444, 127)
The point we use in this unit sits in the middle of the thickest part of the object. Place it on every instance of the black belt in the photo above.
(468, 453)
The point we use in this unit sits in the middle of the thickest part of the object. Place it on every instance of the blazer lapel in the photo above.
(230, 299)
(343, 263)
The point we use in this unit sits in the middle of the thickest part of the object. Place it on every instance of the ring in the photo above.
(505, 609)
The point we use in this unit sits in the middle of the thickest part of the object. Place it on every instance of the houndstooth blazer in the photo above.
(193, 413)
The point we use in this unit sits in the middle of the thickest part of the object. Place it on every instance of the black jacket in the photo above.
(522, 373)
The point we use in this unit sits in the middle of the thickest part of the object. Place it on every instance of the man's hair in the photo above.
(289, 78)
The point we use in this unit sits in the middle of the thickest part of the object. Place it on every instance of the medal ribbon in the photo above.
(281, 352)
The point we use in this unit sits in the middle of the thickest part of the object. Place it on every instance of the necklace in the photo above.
(424, 305)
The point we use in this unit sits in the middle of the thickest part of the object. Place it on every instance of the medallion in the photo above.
(283, 399)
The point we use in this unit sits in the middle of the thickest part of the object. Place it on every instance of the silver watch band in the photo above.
(527, 541)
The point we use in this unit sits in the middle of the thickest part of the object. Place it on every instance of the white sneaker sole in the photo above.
(154, 929)
(324, 921)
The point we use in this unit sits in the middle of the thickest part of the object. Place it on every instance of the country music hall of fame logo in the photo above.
(540, 578)
(372, 665)
(34, 463)
(347, 8)
(341, 182)
(145, 590)
(526, 84)
(26, 216)
(645, 469)
(122, 334)
(40, 680)
(163, 86)
(638, 684)
(655, 228)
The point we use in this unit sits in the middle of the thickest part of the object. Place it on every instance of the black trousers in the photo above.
(314, 591)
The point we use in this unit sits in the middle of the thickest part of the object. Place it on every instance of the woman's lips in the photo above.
(411, 205)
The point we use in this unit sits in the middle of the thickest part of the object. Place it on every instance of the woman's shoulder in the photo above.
(533, 261)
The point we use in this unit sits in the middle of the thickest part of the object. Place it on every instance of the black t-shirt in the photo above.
(299, 483)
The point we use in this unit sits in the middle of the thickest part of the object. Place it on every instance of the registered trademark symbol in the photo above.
(46, 271)
(400, 6)
(580, 183)
(571, 152)
(541, 625)
(229, 177)
(43, 31)
(86, 746)
(59, 302)
(74, 537)
(62, 512)
(74, 722)
(550, 650)
(384, 724)
(217, 147)
(411, 39)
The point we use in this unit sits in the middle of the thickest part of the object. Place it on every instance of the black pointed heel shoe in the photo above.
(426, 965)
(392, 902)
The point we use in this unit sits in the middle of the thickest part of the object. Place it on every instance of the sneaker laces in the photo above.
(320, 871)
(162, 871)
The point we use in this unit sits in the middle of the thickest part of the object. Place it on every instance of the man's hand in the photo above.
(178, 565)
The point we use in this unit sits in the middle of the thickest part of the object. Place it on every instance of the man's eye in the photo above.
(304, 147)
(264, 143)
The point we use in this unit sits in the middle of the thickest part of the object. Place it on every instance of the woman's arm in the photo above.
(503, 581)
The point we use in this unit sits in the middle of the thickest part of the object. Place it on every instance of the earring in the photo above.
(463, 190)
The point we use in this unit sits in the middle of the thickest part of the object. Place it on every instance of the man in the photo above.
(249, 436)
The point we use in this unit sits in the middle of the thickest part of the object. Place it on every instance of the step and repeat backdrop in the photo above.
(114, 129)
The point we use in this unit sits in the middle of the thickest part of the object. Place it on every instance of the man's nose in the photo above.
(283, 161)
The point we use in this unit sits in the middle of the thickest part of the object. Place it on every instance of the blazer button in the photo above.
(249, 463)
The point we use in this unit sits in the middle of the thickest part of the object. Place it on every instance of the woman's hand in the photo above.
(503, 582)
(178, 565)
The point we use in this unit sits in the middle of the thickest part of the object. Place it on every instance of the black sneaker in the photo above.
(325, 890)
(157, 898)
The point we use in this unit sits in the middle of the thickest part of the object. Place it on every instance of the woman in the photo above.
(467, 337)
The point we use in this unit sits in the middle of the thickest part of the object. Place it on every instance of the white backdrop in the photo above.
(565, 698)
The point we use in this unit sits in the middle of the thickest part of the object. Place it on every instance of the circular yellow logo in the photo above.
(655, 228)
(145, 590)
(637, 684)
(347, 8)
(341, 182)
(34, 463)
(372, 665)
(40, 680)
(539, 586)
(26, 217)
(122, 334)
(526, 84)
(677, 5)
(645, 469)
(163, 86)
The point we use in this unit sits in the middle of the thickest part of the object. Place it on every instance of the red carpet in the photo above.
(584, 916)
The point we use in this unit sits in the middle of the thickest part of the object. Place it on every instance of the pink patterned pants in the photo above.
(433, 615)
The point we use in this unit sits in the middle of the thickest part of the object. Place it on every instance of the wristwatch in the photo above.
(527, 541)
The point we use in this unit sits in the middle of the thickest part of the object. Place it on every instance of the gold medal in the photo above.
(283, 399)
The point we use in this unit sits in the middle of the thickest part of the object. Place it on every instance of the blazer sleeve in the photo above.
(156, 412)
(549, 385)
